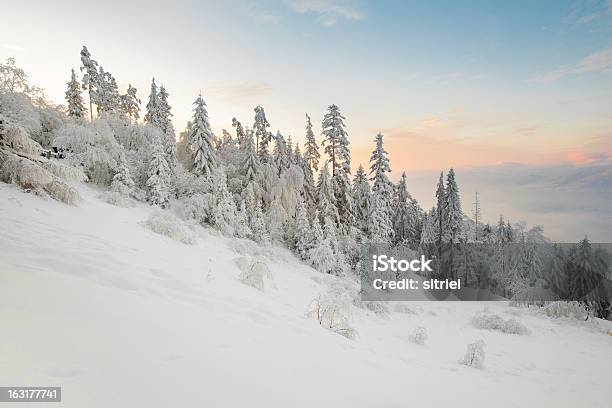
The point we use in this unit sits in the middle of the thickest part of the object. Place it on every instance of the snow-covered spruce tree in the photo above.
(320, 256)
(90, 77)
(240, 132)
(276, 220)
(76, 106)
(201, 140)
(289, 151)
(262, 135)
(440, 208)
(159, 178)
(130, 104)
(453, 216)
(309, 189)
(382, 191)
(335, 141)
(165, 123)
(303, 238)
(429, 234)
(258, 225)
(311, 149)
(297, 156)
(404, 219)
(250, 162)
(153, 114)
(362, 199)
(108, 99)
(326, 201)
(122, 181)
(279, 154)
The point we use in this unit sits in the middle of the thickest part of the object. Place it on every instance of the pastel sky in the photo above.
(449, 83)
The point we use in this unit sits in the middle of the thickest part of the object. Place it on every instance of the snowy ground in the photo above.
(122, 317)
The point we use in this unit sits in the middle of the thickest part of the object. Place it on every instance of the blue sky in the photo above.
(464, 84)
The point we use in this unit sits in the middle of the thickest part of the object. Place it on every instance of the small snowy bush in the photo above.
(17, 138)
(117, 199)
(495, 322)
(67, 173)
(474, 355)
(419, 335)
(333, 311)
(61, 191)
(253, 271)
(165, 223)
(571, 310)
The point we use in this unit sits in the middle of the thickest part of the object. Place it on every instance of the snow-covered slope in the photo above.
(119, 316)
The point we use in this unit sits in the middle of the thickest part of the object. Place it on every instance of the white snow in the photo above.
(120, 316)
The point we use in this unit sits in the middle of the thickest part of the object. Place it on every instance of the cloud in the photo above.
(597, 62)
(328, 11)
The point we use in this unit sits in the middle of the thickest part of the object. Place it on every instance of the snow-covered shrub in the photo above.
(495, 322)
(61, 191)
(30, 176)
(332, 310)
(419, 335)
(475, 354)
(67, 173)
(195, 207)
(17, 109)
(117, 199)
(253, 271)
(403, 308)
(379, 308)
(17, 138)
(568, 309)
(165, 223)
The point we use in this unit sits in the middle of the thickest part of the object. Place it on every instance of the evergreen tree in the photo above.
(289, 151)
(326, 202)
(335, 140)
(90, 77)
(362, 197)
(311, 149)
(165, 124)
(382, 191)
(440, 208)
(158, 182)
(279, 154)
(122, 180)
(108, 99)
(201, 140)
(240, 133)
(131, 104)
(405, 215)
(262, 135)
(153, 115)
(76, 106)
(303, 239)
(453, 216)
(250, 162)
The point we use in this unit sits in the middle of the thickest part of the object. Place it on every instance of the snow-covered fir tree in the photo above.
(90, 77)
(165, 124)
(311, 148)
(122, 181)
(240, 132)
(440, 208)
(303, 238)
(153, 114)
(76, 106)
(201, 140)
(130, 104)
(335, 141)
(279, 154)
(453, 216)
(321, 255)
(108, 99)
(362, 199)
(382, 190)
(262, 135)
(326, 201)
(159, 178)
(250, 162)
(404, 216)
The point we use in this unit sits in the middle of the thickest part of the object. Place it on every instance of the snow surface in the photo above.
(119, 316)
